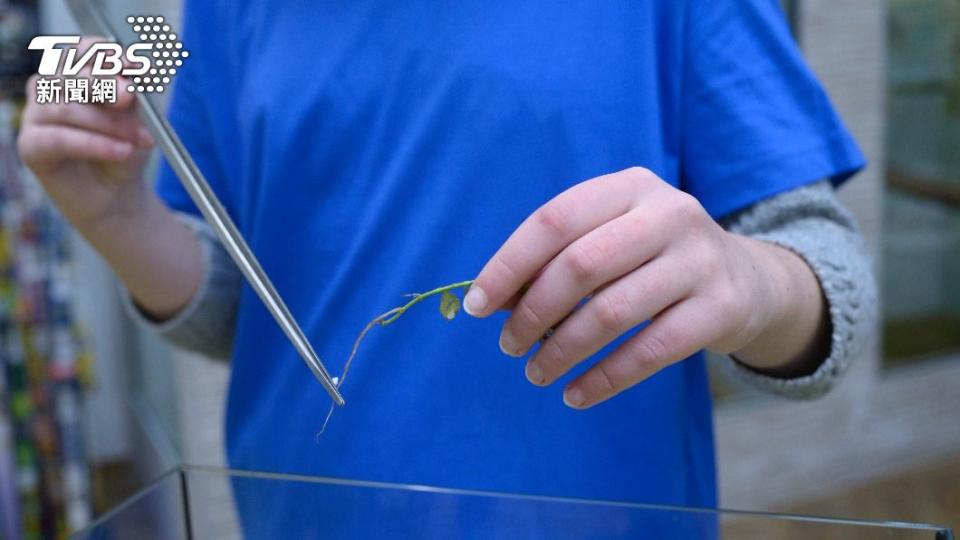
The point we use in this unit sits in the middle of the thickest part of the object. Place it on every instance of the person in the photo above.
(639, 180)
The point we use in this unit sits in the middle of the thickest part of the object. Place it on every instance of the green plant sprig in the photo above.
(449, 306)
(417, 298)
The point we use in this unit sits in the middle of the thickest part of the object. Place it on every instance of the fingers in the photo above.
(604, 254)
(612, 312)
(677, 333)
(56, 131)
(620, 235)
(124, 99)
(42, 146)
(117, 124)
(543, 235)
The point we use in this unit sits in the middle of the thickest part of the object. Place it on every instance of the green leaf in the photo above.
(449, 305)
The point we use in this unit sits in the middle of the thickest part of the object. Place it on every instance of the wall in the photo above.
(774, 453)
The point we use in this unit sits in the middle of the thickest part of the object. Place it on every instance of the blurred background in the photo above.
(91, 408)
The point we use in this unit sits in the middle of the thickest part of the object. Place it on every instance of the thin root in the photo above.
(353, 353)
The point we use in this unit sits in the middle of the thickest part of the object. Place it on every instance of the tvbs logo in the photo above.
(149, 64)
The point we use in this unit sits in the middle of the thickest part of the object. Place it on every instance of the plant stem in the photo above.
(421, 297)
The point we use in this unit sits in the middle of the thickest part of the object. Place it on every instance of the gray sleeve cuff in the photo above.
(811, 222)
(206, 325)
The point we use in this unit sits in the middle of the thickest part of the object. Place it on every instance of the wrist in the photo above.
(157, 256)
(791, 329)
(127, 212)
(767, 281)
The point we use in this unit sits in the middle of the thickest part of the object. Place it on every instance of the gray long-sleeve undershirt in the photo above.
(809, 220)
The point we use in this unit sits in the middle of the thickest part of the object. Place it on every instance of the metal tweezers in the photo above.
(92, 21)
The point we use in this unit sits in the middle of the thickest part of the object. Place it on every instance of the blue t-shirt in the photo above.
(371, 149)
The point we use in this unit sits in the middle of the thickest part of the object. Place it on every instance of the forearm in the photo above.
(154, 254)
(208, 322)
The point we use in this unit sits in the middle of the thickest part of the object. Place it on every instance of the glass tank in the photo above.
(201, 503)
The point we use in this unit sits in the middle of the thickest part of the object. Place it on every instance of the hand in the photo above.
(88, 157)
(638, 249)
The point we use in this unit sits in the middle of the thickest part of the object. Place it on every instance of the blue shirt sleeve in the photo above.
(194, 116)
(756, 122)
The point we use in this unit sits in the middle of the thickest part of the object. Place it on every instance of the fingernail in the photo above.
(508, 344)
(573, 398)
(534, 373)
(121, 150)
(475, 301)
(144, 136)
